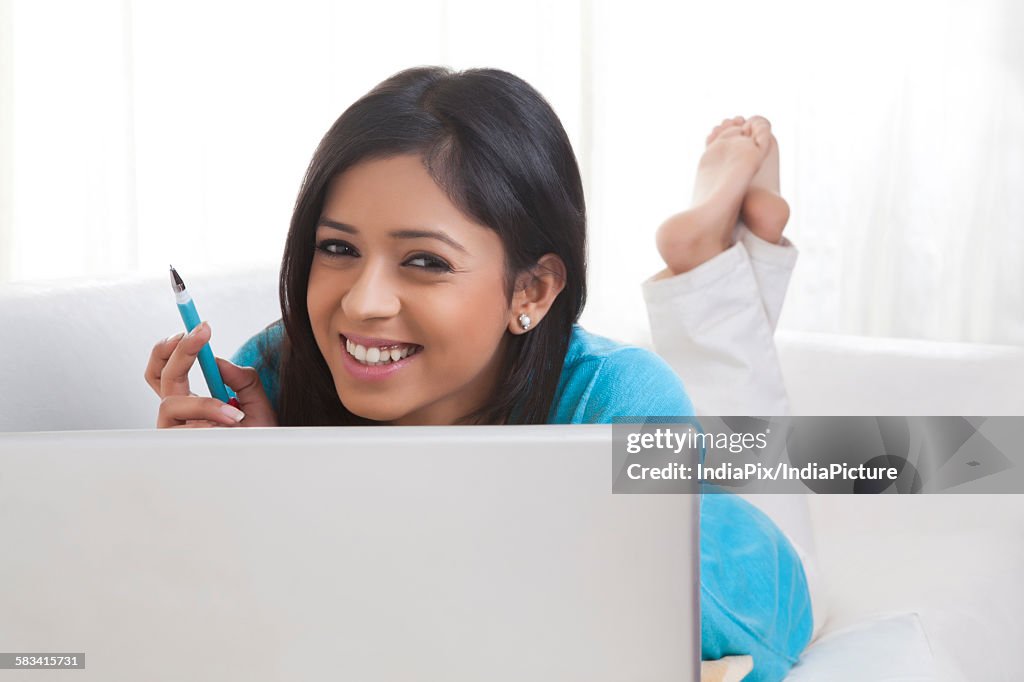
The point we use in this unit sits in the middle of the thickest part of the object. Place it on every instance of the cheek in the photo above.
(471, 320)
(321, 301)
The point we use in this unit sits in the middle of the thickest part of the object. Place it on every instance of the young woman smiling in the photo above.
(434, 271)
(441, 219)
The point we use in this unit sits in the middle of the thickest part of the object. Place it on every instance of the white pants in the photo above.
(715, 326)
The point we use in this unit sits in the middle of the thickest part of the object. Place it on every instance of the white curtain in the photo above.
(901, 128)
(148, 133)
(137, 134)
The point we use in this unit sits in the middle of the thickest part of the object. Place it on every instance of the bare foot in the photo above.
(734, 154)
(764, 212)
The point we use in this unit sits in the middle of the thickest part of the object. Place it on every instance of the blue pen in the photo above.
(206, 360)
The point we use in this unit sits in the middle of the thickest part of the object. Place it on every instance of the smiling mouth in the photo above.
(376, 356)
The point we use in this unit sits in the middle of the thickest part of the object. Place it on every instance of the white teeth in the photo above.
(378, 356)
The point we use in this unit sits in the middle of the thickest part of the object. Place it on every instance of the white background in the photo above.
(135, 134)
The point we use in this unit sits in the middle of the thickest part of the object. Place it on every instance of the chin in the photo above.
(378, 413)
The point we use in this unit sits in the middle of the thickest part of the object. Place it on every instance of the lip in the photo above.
(363, 372)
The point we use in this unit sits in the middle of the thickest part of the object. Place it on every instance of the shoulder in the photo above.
(263, 352)
(262, 347)
(603, 379)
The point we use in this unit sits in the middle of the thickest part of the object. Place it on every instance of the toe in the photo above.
(721, 127)
(760, 125)
(727, 124)
(760, 129)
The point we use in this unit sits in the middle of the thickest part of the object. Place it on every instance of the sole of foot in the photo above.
(735, 152)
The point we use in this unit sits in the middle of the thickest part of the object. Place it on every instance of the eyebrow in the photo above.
(398, 234)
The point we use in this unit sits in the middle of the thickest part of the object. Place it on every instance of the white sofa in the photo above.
(919, 587)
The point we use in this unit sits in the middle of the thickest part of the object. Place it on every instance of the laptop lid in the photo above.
(434, 553)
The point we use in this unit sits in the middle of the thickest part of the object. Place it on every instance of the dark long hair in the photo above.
(500, 153)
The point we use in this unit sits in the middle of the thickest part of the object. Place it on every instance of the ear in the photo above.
(535, 292)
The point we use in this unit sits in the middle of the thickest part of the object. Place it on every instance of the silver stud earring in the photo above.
(525, 321)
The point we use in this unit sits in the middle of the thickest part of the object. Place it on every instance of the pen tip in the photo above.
(176, 281)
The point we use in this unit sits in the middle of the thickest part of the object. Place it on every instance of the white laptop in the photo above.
(445, 553)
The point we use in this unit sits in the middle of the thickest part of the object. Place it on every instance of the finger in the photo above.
(198, 423)
(174, 377)
(252, 398)
(177, 410)
(158, 358)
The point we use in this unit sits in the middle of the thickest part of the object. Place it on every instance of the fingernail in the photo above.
(174, 337)
(196, 329)
(234, 413)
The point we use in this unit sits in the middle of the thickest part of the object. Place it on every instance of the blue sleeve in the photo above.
(634, 382)
(263, 352)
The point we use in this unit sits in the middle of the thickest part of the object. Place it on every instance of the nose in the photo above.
(373, 295)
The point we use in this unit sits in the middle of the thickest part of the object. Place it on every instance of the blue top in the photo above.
(754, 597)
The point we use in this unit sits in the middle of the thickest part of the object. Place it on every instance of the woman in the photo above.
(442, 216)
(433, 273)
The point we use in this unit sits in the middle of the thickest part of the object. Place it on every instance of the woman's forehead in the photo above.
(396, 193)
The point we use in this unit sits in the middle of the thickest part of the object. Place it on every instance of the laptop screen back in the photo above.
(436, 553)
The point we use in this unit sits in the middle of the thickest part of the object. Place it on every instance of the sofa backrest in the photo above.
(855, 375)
(74, 352)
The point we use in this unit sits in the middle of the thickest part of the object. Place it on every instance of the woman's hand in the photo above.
(167, 374)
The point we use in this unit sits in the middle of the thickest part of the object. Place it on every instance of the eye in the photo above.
(334, 247)
(428, 262)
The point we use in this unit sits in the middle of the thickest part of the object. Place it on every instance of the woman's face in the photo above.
(406, 296)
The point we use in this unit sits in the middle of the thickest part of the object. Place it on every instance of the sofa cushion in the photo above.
(884, 648)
